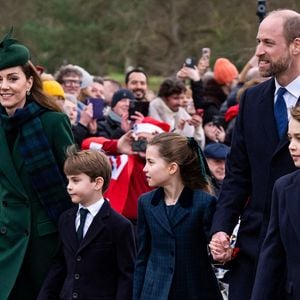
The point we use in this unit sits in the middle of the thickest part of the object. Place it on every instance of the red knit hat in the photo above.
(224, 71)
(151, 125)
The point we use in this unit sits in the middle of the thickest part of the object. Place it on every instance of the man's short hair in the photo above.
(115, 83)
(67, 70)
(170, 87)
(135, 70)
(291, 29)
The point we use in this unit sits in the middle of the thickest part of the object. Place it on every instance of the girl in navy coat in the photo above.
(173, 224)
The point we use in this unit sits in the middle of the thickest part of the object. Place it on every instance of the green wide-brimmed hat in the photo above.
(12, 53)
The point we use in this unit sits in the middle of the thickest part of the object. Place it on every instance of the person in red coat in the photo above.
(127, 157)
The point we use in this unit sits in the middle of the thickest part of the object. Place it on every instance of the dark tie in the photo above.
(83, 212)
(280, 112)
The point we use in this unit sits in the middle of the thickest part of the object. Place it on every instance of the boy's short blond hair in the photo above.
(90, 162)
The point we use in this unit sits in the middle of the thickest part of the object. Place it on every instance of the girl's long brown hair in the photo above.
(174, 147)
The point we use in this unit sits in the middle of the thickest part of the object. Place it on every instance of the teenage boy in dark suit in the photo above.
(96, 255)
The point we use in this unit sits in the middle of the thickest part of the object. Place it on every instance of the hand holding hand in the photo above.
(220, 247)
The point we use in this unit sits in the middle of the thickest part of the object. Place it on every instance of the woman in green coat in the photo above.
(34, 136)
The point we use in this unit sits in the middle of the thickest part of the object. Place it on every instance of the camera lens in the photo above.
(261, 8)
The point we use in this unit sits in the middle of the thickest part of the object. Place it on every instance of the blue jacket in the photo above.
(172, 260)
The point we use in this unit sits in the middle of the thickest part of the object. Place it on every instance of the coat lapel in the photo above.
(158, 210)
(185, 201)
(266, 106)
(19, 160)
(8, 168)
(160, 215)
(97, 225)
(68, 227)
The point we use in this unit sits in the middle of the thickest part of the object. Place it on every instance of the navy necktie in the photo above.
(280, 112)
(83, 212)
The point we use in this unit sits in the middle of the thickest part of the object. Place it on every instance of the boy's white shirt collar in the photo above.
(94, 208)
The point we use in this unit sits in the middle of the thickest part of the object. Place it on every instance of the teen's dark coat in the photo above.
(100, 267)
(281, 249)
(172, 261)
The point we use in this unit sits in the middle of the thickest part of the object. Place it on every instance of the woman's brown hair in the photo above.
(37, 90)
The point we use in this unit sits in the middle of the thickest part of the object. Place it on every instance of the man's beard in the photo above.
(139, 94)
(277, 67)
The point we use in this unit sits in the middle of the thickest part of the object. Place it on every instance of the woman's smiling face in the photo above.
(13, 88)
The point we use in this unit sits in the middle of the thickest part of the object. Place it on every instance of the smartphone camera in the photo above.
(190, 62)
(139, 145)
(98, 106)
(218, 121)
(140, 106)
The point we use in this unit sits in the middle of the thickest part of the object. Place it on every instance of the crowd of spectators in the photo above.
(200, 103)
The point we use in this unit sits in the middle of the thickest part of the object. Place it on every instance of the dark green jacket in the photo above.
(22, 217)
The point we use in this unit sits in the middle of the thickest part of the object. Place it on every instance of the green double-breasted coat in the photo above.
(27, 235)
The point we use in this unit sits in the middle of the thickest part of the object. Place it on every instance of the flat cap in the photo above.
(216, 151)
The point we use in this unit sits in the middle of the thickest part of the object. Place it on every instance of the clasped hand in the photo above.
(220, 247)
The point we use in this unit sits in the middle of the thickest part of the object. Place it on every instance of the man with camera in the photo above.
(259, 151)
(167, 108)
(116, 122)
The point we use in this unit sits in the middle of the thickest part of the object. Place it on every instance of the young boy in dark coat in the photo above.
(96, 254)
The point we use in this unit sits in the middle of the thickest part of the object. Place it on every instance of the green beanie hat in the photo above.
(12, 53)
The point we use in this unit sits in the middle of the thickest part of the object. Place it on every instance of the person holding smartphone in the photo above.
(166, 108)
(116, 122)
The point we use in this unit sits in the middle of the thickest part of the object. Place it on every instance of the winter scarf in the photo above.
(40, 163)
